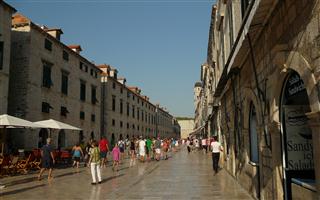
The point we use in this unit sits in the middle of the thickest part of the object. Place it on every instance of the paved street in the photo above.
(181, 177)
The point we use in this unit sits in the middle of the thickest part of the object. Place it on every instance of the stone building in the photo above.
(187, 126)
(126, 112)
(264, 55)
(51, 80)
(6, 12)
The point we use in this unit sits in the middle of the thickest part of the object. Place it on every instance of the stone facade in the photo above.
(126, 112)
(187, 127)
(51, 80)
(265, 59)
(5, 40)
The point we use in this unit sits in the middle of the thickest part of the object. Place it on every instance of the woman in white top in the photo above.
(216, 148)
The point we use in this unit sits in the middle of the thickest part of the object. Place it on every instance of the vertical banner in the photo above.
(298, 138)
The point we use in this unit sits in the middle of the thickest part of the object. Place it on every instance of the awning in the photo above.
(7, 121)
(54, 124)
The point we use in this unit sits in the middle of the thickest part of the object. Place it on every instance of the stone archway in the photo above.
(288, 63)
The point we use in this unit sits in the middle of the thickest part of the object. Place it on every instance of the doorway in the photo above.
(297, 149)
(61, 139)
(43, 135)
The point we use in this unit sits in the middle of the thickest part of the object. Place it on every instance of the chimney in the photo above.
(113, 73)
(54, 32)
(105, 69)
(76, 48)
(122, 80)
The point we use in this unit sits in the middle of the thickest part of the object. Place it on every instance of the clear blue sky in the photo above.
(157, 45)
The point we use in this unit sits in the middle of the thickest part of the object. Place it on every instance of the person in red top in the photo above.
(104, 148)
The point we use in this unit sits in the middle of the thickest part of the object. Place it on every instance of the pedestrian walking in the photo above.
(216, 149)
(204, 144)
(116, 157)
(149, 148)
(94, 162)
(47, 160)
(165, 148)
(103, 147)
(121, 146)
(77, 154)
(87, 153)
(132, 152)
(158, 149)
(188, 145)
(142, 149)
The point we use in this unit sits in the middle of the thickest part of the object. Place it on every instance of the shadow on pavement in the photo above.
(111, 177)
(17, 182)
(124, 168)
(21, 190)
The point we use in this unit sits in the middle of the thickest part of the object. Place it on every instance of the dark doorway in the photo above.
(43, 135)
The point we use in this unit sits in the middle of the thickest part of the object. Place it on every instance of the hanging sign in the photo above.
(298, 138)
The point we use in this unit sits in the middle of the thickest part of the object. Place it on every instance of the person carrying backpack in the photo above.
(121, 145)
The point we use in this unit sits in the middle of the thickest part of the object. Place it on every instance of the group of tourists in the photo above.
(206, 144)
(95, 154)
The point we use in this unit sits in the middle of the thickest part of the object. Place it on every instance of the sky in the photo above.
(157, 45)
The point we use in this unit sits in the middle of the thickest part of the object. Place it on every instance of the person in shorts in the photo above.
(103, 147)
(47, 160)
(157, 145)
(121, 145)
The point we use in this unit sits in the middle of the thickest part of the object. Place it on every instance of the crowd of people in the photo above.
(206, 145)
(95, 153)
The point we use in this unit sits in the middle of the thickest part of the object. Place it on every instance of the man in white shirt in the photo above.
(142, 149)
(215, 148)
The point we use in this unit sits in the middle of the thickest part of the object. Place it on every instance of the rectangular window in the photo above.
(81, 65)
(128, 109)
(1, 54)
(133, 111)
(93, 117)
(142, 115)
(128, 94)
(133, 97)
(95, 74)
(94, 94)
(64, 111)
(113, 103)
(91, 72)
(64, 83)
(65, 55)
(86, 68)
(121, 106)
(46, 75)
(114, 85)
(128, 125)
(48, 44)
(138, 113)
(113, 122)
(121, 124)
(138, 100)
(121, 90)
(82, 115)
(82, 91)
(46, 107)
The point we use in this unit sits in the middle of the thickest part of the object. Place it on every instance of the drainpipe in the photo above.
(261, 95)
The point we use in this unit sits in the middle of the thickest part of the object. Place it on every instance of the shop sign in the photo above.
(298, 138)
(294, 85)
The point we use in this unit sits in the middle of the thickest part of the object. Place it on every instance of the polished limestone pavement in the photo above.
(182, 176)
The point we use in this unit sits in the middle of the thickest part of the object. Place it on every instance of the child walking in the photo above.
(116, 157)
